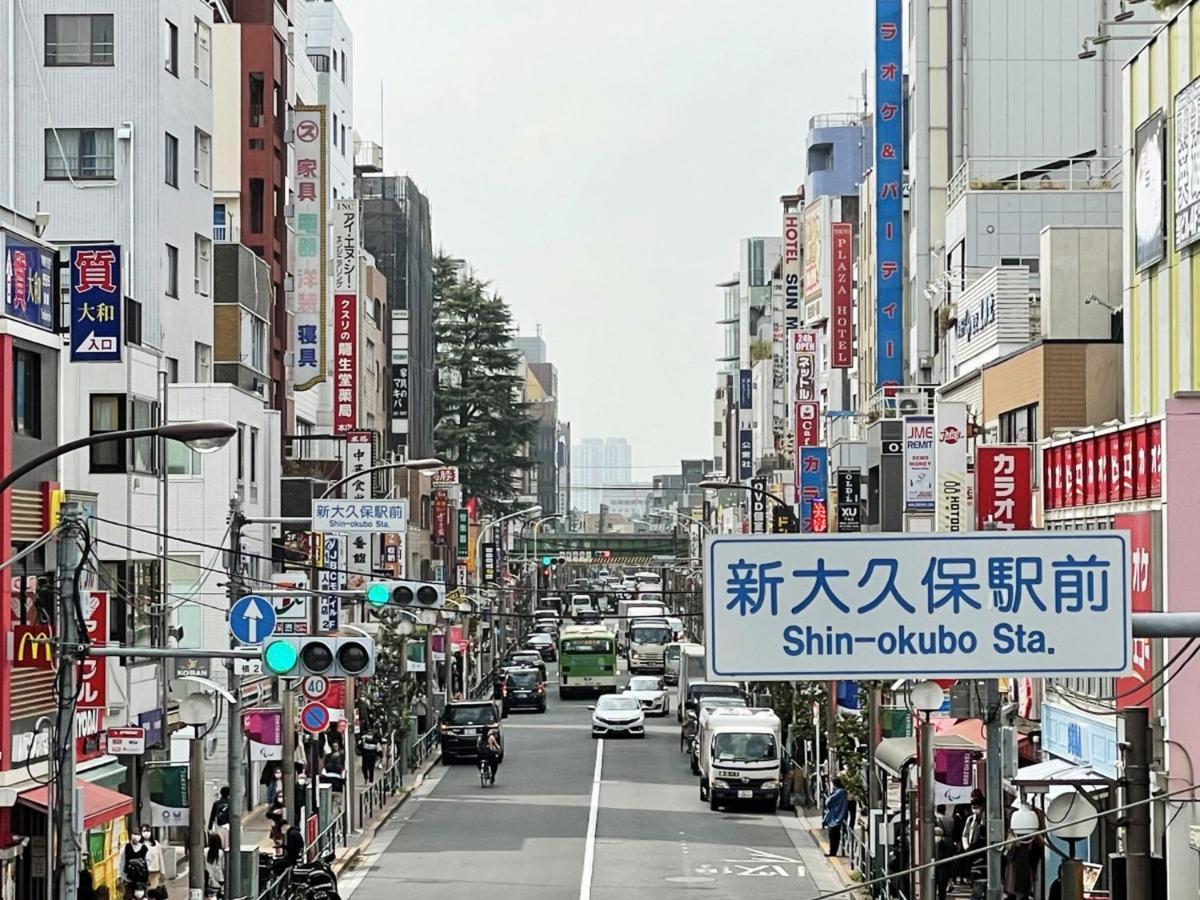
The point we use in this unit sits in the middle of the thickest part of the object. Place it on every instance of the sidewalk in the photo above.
(256, 829)
(830, 873)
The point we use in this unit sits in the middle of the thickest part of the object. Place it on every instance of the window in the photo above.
(258, 345)
(344, 68)
(203, 363)
(106, 412)
(79, 40)
(145, 450)
(301, 446)
(220, 223)
(172, 287)
(182, 460)
(80, 153)
(253, 456)
(172, 160)
(241, 453)
(256, 99)
(203, 170)
(172, 373)
(1019, 426)
(133, 321)
(27, 383)
(171, 51)
(335, 63)
(320, 62)
(343, 140)
(256, 206)
(201, 56)
(203, 259)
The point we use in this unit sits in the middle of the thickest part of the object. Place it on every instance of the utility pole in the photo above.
(236, 770)
(1136, 749)
(69, 559)
(995, 791)
(196, 823)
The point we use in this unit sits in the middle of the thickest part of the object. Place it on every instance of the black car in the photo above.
(544, 645)
(524, 689)
(461, 724)
(525, 659)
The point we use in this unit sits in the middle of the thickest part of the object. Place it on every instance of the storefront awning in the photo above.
(893, 754)
(1056, 776)
(100, 804)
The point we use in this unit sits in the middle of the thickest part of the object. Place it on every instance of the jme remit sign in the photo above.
(786, 607)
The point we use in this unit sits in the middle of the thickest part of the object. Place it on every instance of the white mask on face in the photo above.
(136, 840)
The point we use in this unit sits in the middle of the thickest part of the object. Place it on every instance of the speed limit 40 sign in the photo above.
(314, 687)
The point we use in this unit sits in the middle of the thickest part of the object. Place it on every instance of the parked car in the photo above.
(460, 725)
(543, 644)
(524, 689)
(651, 693)
(617, 714)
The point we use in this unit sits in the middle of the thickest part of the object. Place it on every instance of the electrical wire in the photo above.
(1158, 690)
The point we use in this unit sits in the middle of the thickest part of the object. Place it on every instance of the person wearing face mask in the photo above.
(272, 780)
(132, 866)
(154, 856)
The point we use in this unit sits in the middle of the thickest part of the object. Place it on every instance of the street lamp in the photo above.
(528, 511)
(927, 698)
(203, 437)
(734, 486)
(704, 526)
(537, 526)
(419, 465)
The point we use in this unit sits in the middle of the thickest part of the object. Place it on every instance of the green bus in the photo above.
(587, 660)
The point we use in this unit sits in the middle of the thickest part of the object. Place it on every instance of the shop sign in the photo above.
(812, 250)
(93, 670)
(489, 562)
(791, 270)
(950, 460)
(1186, 165)
(1141, 593)
(745, 454)
(849, 500)
(360, 456)
(1003, 487)
(918, 463)
(888, 202)
(127, 741)
(447, 476)
(29, 285)
(976, 605)
(814, 490)
(841, 303)
(31, 647)
(973, 321)
(96, 303)
(439, 526)
(464, 534)
(330, 578)
(308, 266)
(345, 362)
(758, 506)
(1119, 466)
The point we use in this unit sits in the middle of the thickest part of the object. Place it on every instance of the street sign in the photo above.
(291, 612)
(314, 687)
(314, 718)
(247, 667)
(366, 515)
(447, 476)
(252, 619)
(977, 605)
(126, 741)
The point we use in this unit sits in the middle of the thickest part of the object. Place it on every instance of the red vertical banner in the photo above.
(1059, 455)
(1003, 487)
(1077, 455)
(1142, 596)
(1089, 471)
(1102, 479)
(345, 362)
(1156, 459)
(1047, 478)
(808, 424)
(1114, 467)
(93, 675)
(841, 329)
(1068, 466)
(1127, 464)
(439, 525)
(1141, 462)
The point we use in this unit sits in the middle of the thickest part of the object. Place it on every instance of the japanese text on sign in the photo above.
(308, 269)
(371, 515)
(985, 605)
(96, 303)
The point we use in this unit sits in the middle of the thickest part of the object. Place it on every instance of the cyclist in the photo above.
(488, 748)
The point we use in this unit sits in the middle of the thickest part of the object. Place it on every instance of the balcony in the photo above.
(1095, 173)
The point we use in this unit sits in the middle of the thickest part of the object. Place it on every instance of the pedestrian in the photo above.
(271, 779)
(132, 868)
(293, 846)
(218, 817)
(1022, 865)
(835, 815)
(944, 846)
(154, 856)
(368, 748)
(277, 813)
(974, 836)
(214, 867)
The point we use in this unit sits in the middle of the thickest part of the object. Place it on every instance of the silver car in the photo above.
(617, 714)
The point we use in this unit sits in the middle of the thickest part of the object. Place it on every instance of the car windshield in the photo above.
(721, 702)
(713, 690)
(644, 684)
(533, 658)
(477, 714)
(643, 634)
(611, 701)
(539, 639)
(526, 680)
(743, 747)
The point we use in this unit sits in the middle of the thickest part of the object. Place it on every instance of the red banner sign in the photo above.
(439, 525)
(1111, 468)
(345, 362)
(1003, 487)
(1141, 592)
(93, 675)
(841, 312)
(31, 647)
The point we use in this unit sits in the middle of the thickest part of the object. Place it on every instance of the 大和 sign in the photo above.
(1004, 487)
(29, 288)
(96, 303)
(983, 605)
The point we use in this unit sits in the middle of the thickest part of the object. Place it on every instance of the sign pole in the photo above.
(236, 754)
(69, 558)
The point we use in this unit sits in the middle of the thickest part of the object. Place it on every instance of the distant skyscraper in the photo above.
(597, 462)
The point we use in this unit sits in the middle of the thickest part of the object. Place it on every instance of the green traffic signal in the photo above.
(547, 560)
(280, 657)
(378, 594)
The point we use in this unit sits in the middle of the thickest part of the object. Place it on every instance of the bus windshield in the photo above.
(587, 645)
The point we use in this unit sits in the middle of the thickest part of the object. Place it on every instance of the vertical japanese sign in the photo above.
(360, 456)
(400, 371)
(841, 301)
(950, 460)
(804, 383)
(918, 463)
(1004, 487)
(758, 506)
(889, 141)
(345, 315)
(308, 267)
(791, 270)
(849, 500)
(330, 577)
(96, 332)
(745, 454)
(439, 525)
(463, 535)
(814, 490)
(489, 562)
(1141, 592)
(93, 674)
(29, 288)
(812, 250)
(745, 389)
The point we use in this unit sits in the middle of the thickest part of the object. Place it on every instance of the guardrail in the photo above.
(327, 841)
(422, 747)
(373, 796)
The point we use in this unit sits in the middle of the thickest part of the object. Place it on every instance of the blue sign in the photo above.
(252, 619)
(746, 392)
(889, 191)
(314, 718)
(29, 288)
(745, 454)
(152, 721)
(814, 490)
(96, 299)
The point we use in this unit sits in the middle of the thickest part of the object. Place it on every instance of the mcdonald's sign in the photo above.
(30, 649)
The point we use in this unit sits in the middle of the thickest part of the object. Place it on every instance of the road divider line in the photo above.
(589, 846)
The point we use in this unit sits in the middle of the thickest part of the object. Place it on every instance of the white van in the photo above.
(582, 603)
(739, 757)
(648, 639)
(693, 666)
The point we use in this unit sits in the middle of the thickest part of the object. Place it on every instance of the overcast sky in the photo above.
(598, 161)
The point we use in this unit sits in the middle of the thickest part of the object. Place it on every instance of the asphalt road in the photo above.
(570, 817)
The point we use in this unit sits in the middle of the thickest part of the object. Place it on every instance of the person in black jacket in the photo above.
(293, 846)
(219, 814)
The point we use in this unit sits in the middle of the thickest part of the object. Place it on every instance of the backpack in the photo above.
(136, 870)
(222, 812)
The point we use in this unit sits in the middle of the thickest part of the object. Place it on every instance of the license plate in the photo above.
(521, 693)
(586, 680)
(745, 795)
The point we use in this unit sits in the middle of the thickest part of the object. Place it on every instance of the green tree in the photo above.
(482, 425)
(390, 691)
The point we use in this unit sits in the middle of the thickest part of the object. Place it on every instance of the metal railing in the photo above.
(373, 796)
(422, 747)
(334, 836)
(1094, 173)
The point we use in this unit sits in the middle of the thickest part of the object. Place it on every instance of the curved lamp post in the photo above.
(734, 486)
(419, 465)
(528, 511)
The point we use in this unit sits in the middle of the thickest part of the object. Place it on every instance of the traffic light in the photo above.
(547, 560)
(408, 594)
(334, 657)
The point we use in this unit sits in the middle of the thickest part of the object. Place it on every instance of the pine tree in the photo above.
(481, 426)
(390, 691)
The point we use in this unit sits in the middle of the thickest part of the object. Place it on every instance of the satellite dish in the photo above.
(1070, 815)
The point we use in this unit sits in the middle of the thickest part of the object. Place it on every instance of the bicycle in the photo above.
(487, 772)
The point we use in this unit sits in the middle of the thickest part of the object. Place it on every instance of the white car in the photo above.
(617, 714)
(650, 693)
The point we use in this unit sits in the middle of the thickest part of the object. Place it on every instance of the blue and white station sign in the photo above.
(793, 607)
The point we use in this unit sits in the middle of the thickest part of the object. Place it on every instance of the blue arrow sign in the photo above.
(314, 718)
(252, 619)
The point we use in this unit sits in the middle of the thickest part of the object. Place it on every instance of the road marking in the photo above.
(589, 847)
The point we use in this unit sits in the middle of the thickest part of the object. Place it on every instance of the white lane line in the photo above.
(589, 847)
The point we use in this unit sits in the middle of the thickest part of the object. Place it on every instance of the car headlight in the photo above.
(634, 654)
(770, 785)
(720, 783)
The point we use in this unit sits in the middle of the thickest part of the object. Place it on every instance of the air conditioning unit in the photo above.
(925, 362)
